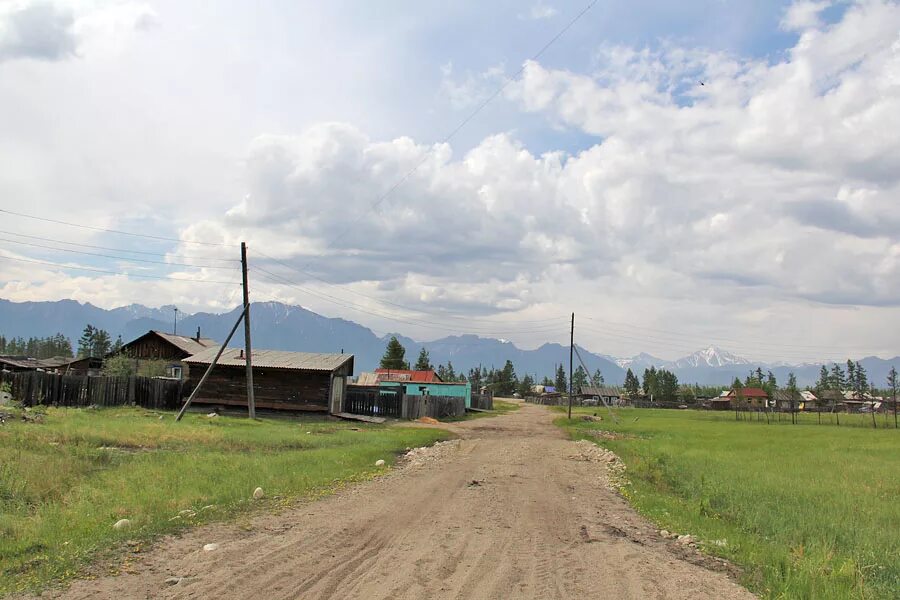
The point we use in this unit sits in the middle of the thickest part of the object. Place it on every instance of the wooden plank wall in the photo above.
(436, 407)
(483, 401)
(35, 387)
(273, 388)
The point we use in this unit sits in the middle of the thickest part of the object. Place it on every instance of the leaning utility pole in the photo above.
(251, 401)
(571, 349)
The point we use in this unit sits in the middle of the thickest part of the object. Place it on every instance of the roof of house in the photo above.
(407, 375)
(274, 359)
(588, 390)
(182, 342)
(785, 396)
(26, 362)
(749, 392)
(831, 395)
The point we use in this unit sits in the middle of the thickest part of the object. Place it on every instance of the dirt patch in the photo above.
(511, 511)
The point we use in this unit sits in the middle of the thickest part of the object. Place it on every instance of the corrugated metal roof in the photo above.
(186, 343)
(749, 392)
(273, 359)
(25, 362)
(407, 375)
(587, 390)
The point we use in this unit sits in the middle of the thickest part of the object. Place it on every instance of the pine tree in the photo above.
(792, 393)
(394, 355)
(822, 386)
(450, 373)
(117, 346)
(838, 382)
(524, 388)
(632, 385)
(892, 388)
(579, 379)
(102, 343)
(508, 380)
(86, 342)
(597, 379)
(423, 363)
(561, 380)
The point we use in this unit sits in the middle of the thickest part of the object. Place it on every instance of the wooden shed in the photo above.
(281, 380)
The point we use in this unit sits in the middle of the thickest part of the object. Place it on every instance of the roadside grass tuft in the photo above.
(809, 511)
(66, 481)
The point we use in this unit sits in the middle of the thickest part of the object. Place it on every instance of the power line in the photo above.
(125, 258)
(116, 231)
(404, 307)
(142, 252)
(61, 266)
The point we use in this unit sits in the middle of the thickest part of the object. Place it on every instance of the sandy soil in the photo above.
(512, 510)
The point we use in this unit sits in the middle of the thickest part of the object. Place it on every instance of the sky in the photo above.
(675, 174)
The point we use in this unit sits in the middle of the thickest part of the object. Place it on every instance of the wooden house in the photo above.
(172, 349)
(785, 401)
(595, 396)
(741, 398)
(281, 380)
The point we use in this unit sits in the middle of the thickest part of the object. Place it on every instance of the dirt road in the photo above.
(513, 510)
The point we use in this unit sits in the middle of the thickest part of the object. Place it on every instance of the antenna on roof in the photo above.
(175, 329)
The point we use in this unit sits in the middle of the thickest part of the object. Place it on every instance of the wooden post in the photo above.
(211, 365)
(571, 350)
(251, 400)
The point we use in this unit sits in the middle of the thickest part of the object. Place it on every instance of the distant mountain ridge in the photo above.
(284, 327)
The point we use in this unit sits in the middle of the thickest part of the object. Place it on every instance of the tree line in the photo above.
(94, 342)
(37, 347)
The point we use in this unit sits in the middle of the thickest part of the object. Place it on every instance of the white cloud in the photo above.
(804, 14)
(541, 11)
(54, 30)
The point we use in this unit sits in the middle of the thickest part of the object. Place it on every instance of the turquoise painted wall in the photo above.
(457, 390)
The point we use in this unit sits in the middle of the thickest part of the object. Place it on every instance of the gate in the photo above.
(374, 400)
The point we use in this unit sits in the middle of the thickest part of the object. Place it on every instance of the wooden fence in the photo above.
(374, 400)
(436, 407)
(483, 401)
(36, 387)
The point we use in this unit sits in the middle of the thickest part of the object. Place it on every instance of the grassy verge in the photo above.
(810, 511)
(66, 480)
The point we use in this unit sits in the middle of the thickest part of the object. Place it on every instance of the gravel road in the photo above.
(511, 510)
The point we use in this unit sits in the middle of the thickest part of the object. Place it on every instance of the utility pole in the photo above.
(571, 350)
(251, 401)
(175, 330)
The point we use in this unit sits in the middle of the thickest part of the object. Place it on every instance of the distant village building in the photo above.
(744, 397)
(418, 383)
(284, 380)
(25, 363)
(594, 396)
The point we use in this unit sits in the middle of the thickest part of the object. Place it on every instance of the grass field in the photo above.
(809, 511)
(64, 482)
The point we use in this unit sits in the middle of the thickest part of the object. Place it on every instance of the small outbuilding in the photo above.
(284, 380)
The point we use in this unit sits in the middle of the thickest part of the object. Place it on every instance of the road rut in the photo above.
(515, 511)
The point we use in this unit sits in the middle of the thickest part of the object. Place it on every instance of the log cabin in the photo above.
(301, 381)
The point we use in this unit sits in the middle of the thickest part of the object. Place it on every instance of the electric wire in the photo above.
(129, 251)
(77, 268)
(116, 231)
(124, 258)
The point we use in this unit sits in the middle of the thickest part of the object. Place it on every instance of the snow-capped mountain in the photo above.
(710, 357)
(639, 362)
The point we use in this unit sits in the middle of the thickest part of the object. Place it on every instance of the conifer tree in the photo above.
(423, 363)
(394, 355)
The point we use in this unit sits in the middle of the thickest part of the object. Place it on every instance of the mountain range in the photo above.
(284, 327)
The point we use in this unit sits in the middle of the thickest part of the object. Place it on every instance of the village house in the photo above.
(743, 398)
(594, 396)
(302, 381)
(25, 363)
(157, 348)
(418, 383)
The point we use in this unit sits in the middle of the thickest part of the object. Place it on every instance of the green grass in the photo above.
(66, 481)
(809, 511)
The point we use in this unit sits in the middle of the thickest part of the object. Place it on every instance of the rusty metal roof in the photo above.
(274, 359)
(186, 343)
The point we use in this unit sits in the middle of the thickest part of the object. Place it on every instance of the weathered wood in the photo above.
(363, 418)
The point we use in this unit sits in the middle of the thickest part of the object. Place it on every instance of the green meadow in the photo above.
(68, 477)
(809, 511)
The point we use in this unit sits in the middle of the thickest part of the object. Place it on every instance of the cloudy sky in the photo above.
(716, 172)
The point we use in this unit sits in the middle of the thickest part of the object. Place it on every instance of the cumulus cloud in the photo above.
(540, 11)
(804, 14)
(709, 169)
(52, 30)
